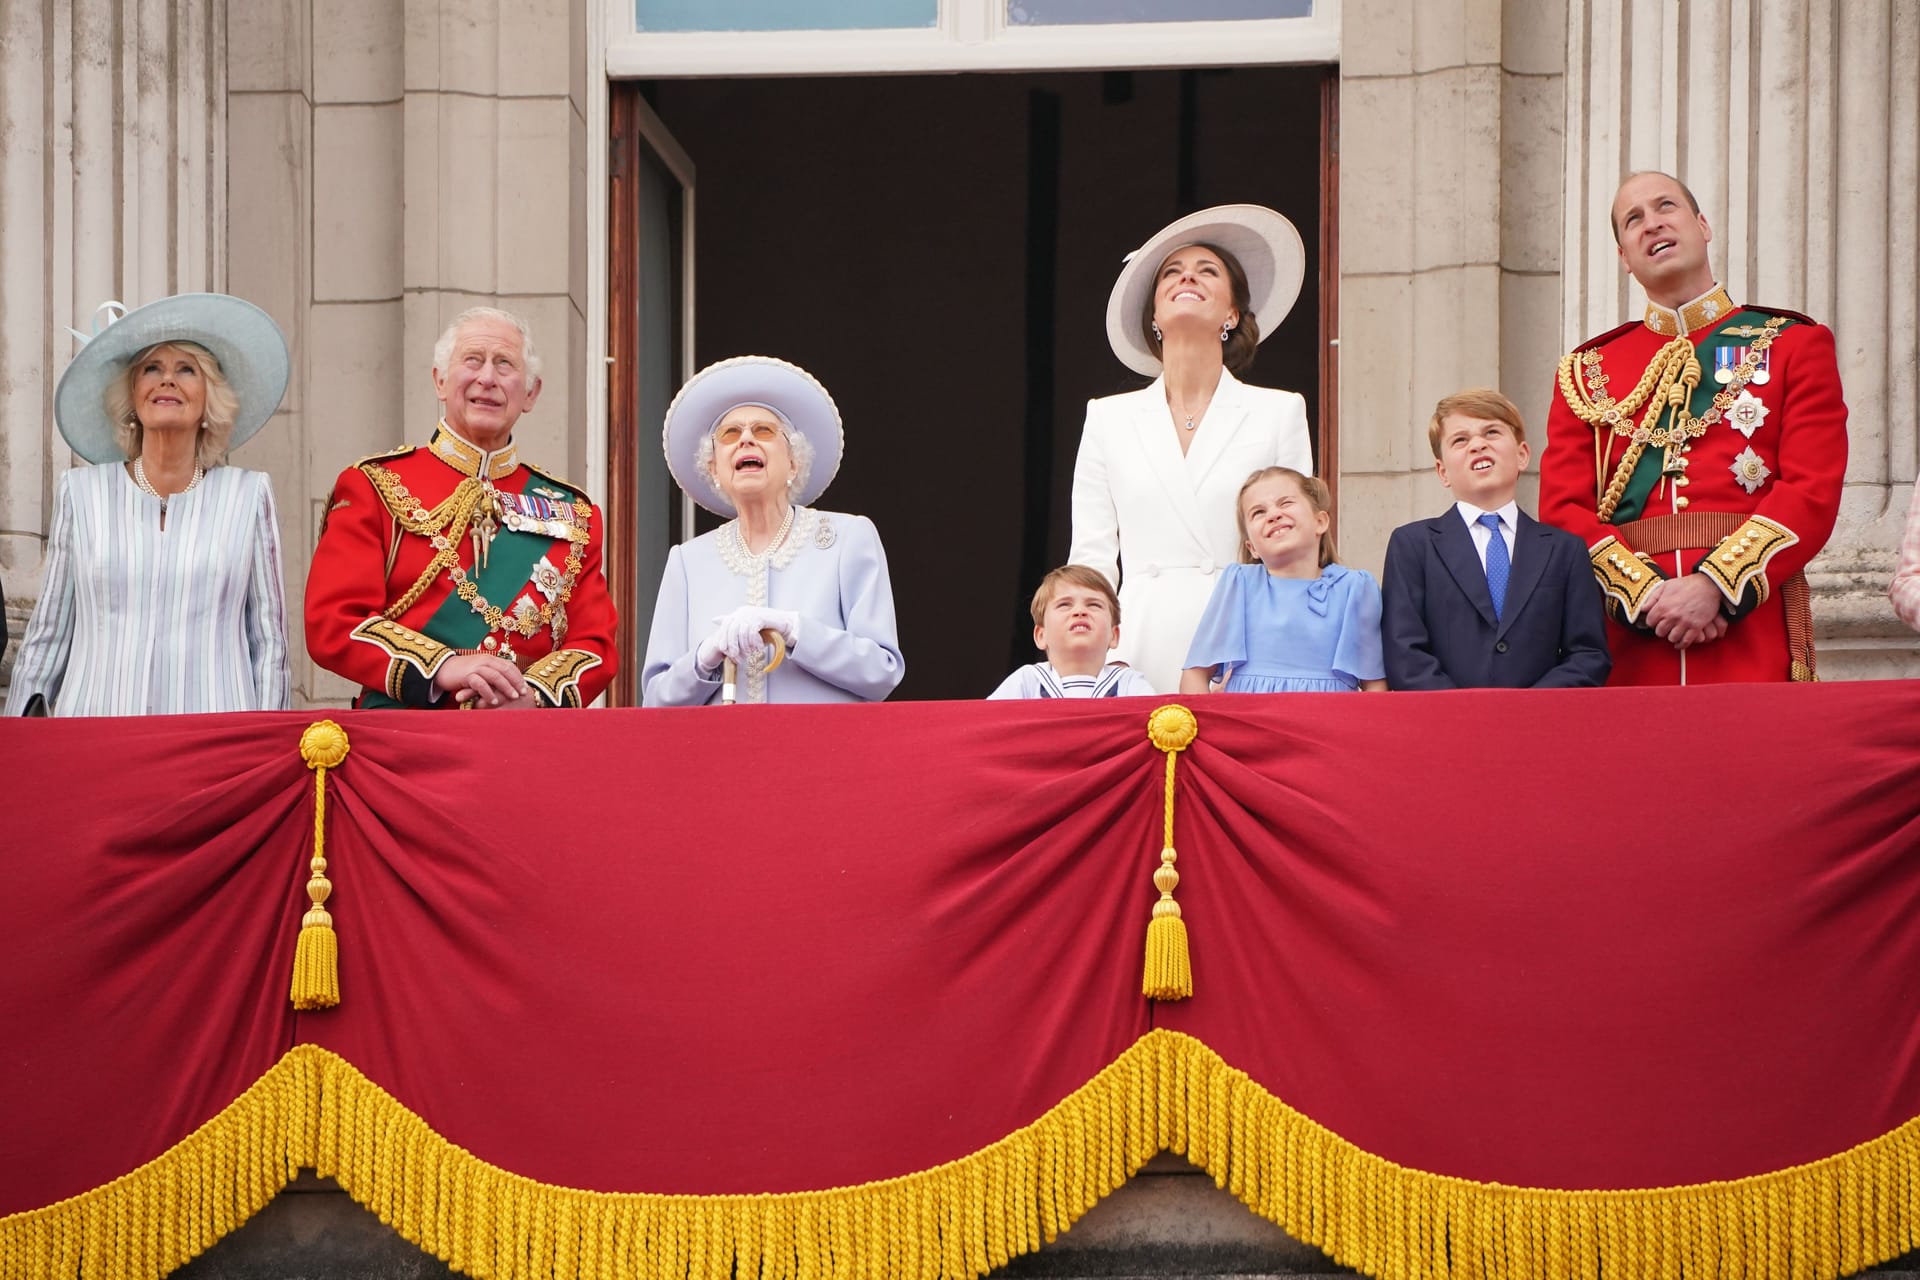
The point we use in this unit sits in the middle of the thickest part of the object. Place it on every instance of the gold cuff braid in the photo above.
(1741, 557)
(557, 675)
(407, 648)
(1624, 577)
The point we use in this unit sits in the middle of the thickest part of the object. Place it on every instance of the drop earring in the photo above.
(1155, 326)
(1226, 330)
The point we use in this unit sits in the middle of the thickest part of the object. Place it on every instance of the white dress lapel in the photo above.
(1153, 427)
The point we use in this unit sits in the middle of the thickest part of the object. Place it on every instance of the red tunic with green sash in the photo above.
(430, 552)
(1711, 439)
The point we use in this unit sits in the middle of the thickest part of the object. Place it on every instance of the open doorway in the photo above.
(938, 251)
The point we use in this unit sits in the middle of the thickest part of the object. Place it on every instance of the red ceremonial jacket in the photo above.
(432, 551)
(1755, 481)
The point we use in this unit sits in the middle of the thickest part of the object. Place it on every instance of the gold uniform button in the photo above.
(1680, 502)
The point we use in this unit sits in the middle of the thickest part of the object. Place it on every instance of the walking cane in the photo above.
(730, 672)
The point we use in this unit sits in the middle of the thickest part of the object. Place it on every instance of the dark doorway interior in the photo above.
(938, 251)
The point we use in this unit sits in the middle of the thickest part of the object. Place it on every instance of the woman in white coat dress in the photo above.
(758, 439)
(1154, 485)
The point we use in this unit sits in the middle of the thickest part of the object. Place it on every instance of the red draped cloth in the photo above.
(1580, 940)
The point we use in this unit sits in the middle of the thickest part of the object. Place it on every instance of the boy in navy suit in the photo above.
(1483, 595)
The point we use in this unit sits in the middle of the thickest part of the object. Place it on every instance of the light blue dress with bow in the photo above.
(1291, 635)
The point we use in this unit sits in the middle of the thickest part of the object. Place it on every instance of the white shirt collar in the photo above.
(1509, 514)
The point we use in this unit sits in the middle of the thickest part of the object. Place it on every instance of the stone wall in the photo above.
(1450, 209)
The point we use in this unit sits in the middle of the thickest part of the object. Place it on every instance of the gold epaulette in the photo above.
(404, 648)
(1741, 557)
(1624, 577)
(558, 674)
(579, 494)
(401, 452)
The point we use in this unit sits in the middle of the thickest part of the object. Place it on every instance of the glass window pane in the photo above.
(783, 15)
(1042, 13)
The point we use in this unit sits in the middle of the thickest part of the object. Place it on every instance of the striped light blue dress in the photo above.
(138, 620)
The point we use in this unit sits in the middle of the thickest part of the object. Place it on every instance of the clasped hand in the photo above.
(486, 681)
(1685, 611)
(737, 635)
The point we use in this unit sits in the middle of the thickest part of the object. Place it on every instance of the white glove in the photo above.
(741, 630)
(711, 652)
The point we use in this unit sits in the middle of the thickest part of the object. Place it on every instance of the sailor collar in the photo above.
(1710, 306)
(470, 459)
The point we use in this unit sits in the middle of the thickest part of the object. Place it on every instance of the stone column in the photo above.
(112, 185)
(1797, 124)
(1450, 179)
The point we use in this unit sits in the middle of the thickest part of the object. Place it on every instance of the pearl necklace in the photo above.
(780, 536)
(146, 486)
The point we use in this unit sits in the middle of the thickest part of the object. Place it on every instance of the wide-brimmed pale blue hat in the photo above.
(719, 389)
(243, 338)
(1268, 248)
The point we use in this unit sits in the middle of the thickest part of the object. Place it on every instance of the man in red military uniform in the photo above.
(1699, 453)
(453, 574)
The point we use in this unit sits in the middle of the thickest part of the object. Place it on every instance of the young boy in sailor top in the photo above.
(1076, 622)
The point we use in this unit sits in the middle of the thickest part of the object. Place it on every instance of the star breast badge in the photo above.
(1749, 470)
(1746, 414)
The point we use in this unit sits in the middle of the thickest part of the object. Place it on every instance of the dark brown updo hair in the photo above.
(1237, 351)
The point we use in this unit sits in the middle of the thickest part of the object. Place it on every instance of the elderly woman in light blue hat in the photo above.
(163, 589)
(757, 439)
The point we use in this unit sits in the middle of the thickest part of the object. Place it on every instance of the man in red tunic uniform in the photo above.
(1699, 453)
(454, 574)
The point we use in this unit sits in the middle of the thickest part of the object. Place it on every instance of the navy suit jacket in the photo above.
(1437, 625)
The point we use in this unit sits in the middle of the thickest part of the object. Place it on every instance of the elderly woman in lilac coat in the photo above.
(758, 440)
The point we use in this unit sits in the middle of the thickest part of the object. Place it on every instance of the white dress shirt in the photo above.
(1509, 525)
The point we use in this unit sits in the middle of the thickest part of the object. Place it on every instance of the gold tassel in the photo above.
(1169, 974)
(316, 957)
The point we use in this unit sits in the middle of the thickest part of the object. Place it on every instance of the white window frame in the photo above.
(970, 35)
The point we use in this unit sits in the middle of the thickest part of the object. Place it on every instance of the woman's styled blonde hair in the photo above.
(210, 446)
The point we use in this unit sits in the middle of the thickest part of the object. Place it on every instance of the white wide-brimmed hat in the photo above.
(1267, 245)
(243, 338)
(718, 389)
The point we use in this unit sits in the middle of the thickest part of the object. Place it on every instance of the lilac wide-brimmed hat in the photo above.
(243, 338)
(1267, 245)
(719, 389)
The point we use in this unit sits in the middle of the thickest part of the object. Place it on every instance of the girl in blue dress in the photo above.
(1288, 619)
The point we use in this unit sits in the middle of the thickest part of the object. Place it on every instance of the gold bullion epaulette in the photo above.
(1624, 577)
(1607, 337)
(401, 452)
(1741, 557)
(579, 494)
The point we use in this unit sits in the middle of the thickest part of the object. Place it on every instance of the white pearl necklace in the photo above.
(146, 486)
(779, 537)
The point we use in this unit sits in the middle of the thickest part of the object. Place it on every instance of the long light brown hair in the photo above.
(1317, 495)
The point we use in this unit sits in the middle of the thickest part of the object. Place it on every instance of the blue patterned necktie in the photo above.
(1497, 564)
